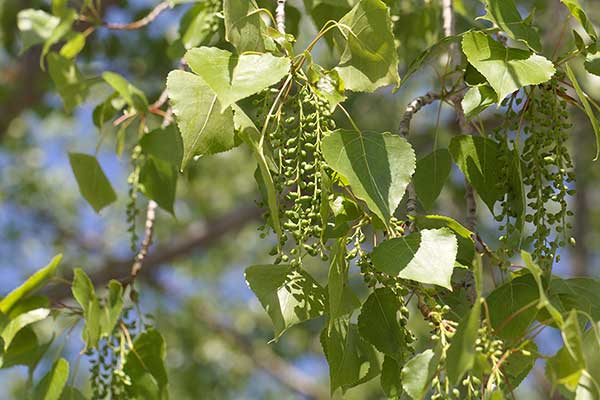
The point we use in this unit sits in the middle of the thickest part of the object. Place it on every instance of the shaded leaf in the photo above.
(21, 321)
(70, 84)
(52, 384)
(145, 365)
(477, 99)
(112, 308)
(505, 15)
(580, 15)
(85, 295)
(164, 144)
(244, 27)
(477, 158)
(337, 282)
(351, 359)
(379, 322)
(289, 295)
(461, 354)
(369, 59)
(93, 184)
(430, 176)
(378, 166)
(390, 378)
(418, 372)
(427, 256)
(158, 181)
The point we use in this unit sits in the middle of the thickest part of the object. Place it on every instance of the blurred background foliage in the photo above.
(193, 282)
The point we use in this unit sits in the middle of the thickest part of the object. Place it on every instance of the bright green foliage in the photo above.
(84, 293)
(461, 353)
(93, 183)
(417, 374)
(52, 384)
(426, 257)
(19, 322)
(234, 77)
(36, 26)
(431, 175)
(204, 128)
(287, 294)
(244, 27)
(505, 15)
(378, 166)
(69, 81)
(580, 15)
(33, 283)
(506, 69)
(369, 59)
(477, 99)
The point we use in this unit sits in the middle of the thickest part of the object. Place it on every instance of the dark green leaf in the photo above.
(51, 386)
(351, 360)
(164, 144)
(586, 106)
(477, 158)
(33, 283)
(24, 350)
(244, 27)
(234, 77)
(337, 282)
(378, 166)
(431, 174)
(145, 365)
(506, 69)
(513, 307)
(390, 378)
(379, 322)
(581, 294)
(112, 308)
(461, 354)
(204, 128)
(93, 184)
(158, 181)
(369, 59)
(427, 256)
(287, 294)
(592, 63)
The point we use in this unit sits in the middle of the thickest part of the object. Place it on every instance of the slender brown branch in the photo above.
(140, 23)
(147, 241)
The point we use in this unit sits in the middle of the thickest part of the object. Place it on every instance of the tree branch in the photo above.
(147, 241)
(140, 23)
(196, 237)
(280, 16)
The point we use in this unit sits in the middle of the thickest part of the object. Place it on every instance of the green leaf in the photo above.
(85, 295)
(158, 181)
(431, 174)
(70, 84)
(62, 29)
(567, 365)
(204, 128)
(536, 271)
(133, 96)
(427, 256)
(431, 52)
(466, 244)
(73, 46)
(52, 384)
(93, 184)
(592, 62)
(21, 321)
(327, 84)
(244, 27)
(112, 309)
(379, 322)
(513, 307)
(72, 393)
(351, 359)
(477, 158)
(33, 283)
(390, 378)
(580, 15)
(196, 26)
(369, 59)
(477, 99)
(581, 294)
(337, 283)
(145, 365)
(234, 77)
(589, 383)
(505, 15)
(518, 365)
(24, 350)
(251, 136)
(461, 354)
(586, 106)
(289, 295)
(506, 69)
(378, 166)
(418, 372)
(164, 144)
(36, 26)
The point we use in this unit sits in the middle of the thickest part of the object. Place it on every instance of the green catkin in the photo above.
(296, 142)
(547, 171)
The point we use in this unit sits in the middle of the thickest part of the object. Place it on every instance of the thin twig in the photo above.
(413, 107)
(140, 23)
(280, 16)
(147, 241)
